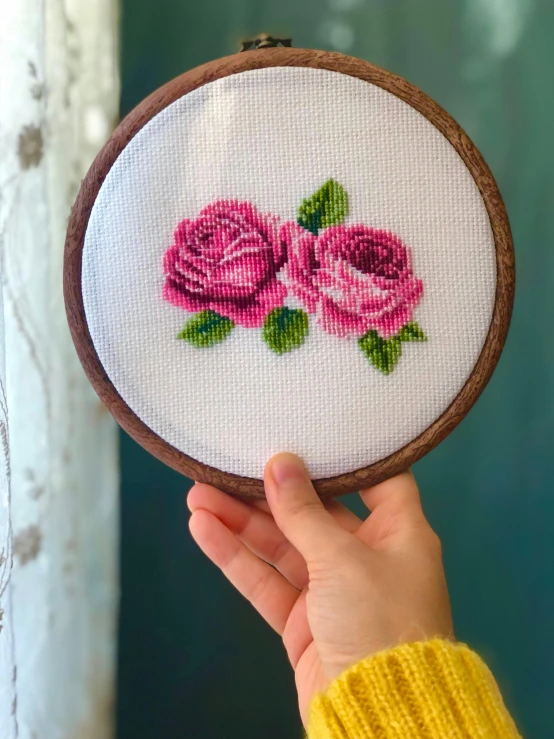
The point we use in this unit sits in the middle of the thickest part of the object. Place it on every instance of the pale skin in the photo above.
(335, 587)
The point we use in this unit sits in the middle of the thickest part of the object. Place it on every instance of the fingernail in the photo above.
(287, 469)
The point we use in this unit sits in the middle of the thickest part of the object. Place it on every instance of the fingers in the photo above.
(297, 634)
(297, 509)
(342, 515)
(268, 591)
(395, 508)
(255, 528)
(400, 492)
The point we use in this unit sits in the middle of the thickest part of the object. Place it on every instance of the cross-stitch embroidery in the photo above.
(227, 260)
(232, 265)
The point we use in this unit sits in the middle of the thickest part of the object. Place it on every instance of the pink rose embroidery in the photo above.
(223, 267)
(226, 261)
(357, 278)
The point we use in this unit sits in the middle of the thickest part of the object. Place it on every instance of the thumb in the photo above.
(297, 508)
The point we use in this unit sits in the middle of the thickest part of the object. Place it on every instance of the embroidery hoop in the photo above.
(287, 57)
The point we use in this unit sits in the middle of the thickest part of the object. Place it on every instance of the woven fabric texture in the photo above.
(289, 259)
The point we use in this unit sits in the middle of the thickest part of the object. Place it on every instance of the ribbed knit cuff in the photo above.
(433, 689)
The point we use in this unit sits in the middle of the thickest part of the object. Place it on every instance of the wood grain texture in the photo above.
(160, 99)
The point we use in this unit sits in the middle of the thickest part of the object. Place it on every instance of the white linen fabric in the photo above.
(272, 137)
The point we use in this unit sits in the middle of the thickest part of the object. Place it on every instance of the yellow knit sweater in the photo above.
(433, 689)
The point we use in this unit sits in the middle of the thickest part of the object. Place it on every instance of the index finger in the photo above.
(342, 515)
(399, 492)
(395, 508)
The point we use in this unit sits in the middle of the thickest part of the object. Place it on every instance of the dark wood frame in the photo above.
(129, 127)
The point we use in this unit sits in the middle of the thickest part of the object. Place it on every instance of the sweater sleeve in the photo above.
(433, 689)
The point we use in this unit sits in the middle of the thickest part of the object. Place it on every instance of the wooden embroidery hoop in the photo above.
(288, 57)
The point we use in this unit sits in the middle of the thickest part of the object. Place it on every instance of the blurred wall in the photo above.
(194, 660)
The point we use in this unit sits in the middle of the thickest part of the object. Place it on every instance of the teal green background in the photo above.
(194, 660)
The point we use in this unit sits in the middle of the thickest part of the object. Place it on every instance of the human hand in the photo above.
(336, 588)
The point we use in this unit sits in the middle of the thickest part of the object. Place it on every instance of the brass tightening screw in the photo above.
(264, 41)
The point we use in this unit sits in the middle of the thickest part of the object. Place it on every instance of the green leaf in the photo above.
(285, 329)
(206, 328)
(382, 353)
(411, 332)
(327, 207)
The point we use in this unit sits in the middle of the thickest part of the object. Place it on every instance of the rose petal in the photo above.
(334, 320)
(358, 276)
(302, 263)
(226, 259)
(253, 314)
